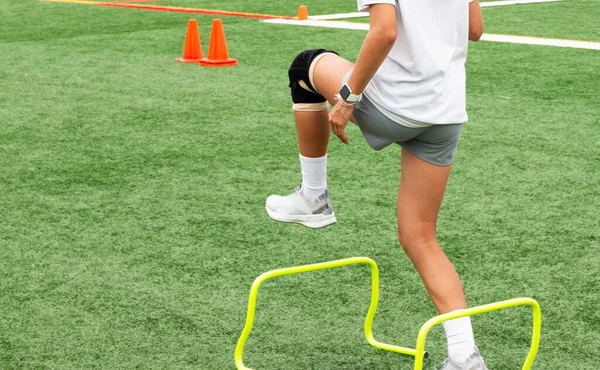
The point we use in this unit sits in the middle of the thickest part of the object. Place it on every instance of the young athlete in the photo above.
(407, 87)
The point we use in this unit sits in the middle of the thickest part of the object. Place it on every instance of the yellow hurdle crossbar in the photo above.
(535, 338)
(239, 349)
(419, 353)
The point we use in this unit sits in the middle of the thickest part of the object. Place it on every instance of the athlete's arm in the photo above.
(475, 21)
(377, 45)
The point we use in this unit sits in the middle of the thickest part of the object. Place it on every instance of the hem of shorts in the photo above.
(424, 159)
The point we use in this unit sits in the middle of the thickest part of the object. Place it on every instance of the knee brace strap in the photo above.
(310, 107)
(301, 77)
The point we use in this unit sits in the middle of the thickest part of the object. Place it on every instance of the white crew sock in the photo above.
(314, 176)
(461, 343)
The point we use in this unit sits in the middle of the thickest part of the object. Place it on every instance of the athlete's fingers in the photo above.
(338, 127)
(338, 118)
(334, 122)
(342, 136)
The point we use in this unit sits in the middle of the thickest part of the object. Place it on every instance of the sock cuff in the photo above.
(313, 160)
(458, 325)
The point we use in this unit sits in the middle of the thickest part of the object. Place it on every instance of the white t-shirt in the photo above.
(423, 81)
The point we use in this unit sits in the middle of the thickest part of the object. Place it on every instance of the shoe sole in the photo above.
(312, 221)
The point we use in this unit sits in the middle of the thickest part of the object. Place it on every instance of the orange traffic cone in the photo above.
(217, 51)
(303, 13)
(192, 50)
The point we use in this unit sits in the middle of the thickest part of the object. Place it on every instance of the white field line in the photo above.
(487, 37)
(339, 16)
(483, 5)
(325, 24)
(541, 41)
(514, 2)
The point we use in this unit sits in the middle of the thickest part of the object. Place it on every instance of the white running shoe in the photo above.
(297, 208)
(473, 362)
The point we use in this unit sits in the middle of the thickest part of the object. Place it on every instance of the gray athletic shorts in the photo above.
(434, 144)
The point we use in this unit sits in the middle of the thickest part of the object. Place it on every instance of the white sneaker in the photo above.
(297, 208)
(473, 362)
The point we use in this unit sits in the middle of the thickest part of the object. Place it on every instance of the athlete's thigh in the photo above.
(328, 75)
(422, 188)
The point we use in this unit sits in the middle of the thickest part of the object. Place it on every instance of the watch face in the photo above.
(345, 92)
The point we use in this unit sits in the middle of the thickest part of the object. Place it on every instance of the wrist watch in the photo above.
(346, 94)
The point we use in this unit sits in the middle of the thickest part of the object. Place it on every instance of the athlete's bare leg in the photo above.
(313, 127)
(422, 188)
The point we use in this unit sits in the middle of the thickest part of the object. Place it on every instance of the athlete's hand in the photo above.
(338, 118)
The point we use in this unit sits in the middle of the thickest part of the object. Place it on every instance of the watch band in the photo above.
(346, 94)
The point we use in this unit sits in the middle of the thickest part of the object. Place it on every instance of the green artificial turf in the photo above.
(567, 19)
(132, 217)
(288, 8)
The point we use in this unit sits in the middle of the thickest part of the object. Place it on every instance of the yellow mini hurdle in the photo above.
(419, 353)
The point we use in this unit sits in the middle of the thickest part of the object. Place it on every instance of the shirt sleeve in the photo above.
(363, 5)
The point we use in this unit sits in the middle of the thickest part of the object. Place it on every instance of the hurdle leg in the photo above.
(239, 349)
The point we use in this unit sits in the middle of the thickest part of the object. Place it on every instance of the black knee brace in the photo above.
(299, 74)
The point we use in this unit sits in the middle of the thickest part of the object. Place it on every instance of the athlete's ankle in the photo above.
(461, 343)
